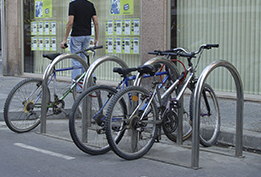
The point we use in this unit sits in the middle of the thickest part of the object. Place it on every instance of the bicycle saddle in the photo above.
(149, 69)
(124, 71)
(51, 56)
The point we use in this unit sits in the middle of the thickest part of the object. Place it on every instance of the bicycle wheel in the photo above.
(22, 109)
(129, 133)
(87, 126)
(170, 121)
(209, 116)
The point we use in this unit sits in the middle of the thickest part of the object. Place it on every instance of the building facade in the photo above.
(130, 29)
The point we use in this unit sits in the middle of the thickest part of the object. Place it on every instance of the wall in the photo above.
(12, 64)
(235, 26)
(153, 27)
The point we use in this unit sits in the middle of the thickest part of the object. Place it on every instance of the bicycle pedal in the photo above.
(157, 139)
(175, 104)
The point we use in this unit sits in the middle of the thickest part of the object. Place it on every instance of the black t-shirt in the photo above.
(82, 10)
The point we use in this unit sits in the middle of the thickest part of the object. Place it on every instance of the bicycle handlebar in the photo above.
(90, 48)
(182, 52)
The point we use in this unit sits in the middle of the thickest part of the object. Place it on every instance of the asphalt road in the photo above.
(34, 154)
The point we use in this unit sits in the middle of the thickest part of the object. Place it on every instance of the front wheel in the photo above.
(209, 116)
(131, 123)
(22, 109)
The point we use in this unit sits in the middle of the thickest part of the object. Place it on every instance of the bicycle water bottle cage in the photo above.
(124, 71)
(149, 69)
(51, 56)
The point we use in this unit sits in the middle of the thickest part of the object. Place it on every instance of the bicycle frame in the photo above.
(124, 83)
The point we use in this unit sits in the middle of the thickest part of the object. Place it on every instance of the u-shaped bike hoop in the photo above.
(196, 109)
(87, 78)
(47, 73)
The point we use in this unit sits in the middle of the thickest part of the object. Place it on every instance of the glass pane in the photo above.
(234, 25)
(45, 23)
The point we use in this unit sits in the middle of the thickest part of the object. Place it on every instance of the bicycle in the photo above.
(87, 127)
(139, 126)
(22, 109)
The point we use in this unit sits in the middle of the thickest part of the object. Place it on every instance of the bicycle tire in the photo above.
(129, 137)
(92, 141)
(22, 108)
(209, 120)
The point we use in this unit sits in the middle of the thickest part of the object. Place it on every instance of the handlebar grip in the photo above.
(212, 45)
(98, 47)
(65, 45)
(153, 53)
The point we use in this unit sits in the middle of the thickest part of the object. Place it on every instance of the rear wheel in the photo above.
(132, 132)
(22, 109)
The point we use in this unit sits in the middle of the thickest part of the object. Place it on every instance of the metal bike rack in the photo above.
(87, 102)
(47, 73)
(196, 109)
(88, 77)
(174, 75)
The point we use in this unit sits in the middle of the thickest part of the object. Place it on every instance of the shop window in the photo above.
(45, 24)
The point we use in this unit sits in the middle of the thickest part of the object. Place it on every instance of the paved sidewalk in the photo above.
(251, 114)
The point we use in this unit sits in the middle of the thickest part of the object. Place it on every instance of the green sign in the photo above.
(43, 8)
(122, 7)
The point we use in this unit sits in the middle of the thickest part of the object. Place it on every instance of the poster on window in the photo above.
(121, 7)
(136, 26)
(34, 44)
(53, 44)
(118, 45)
(41, 44)
(118, 27)
(46, 44)
(43, 8)
(33, 28)
(126, 43)
(46, 28)
(109, 27)
(126, 27)
(40, 28)
(53, 28)
(135, 46)
(109, 45)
